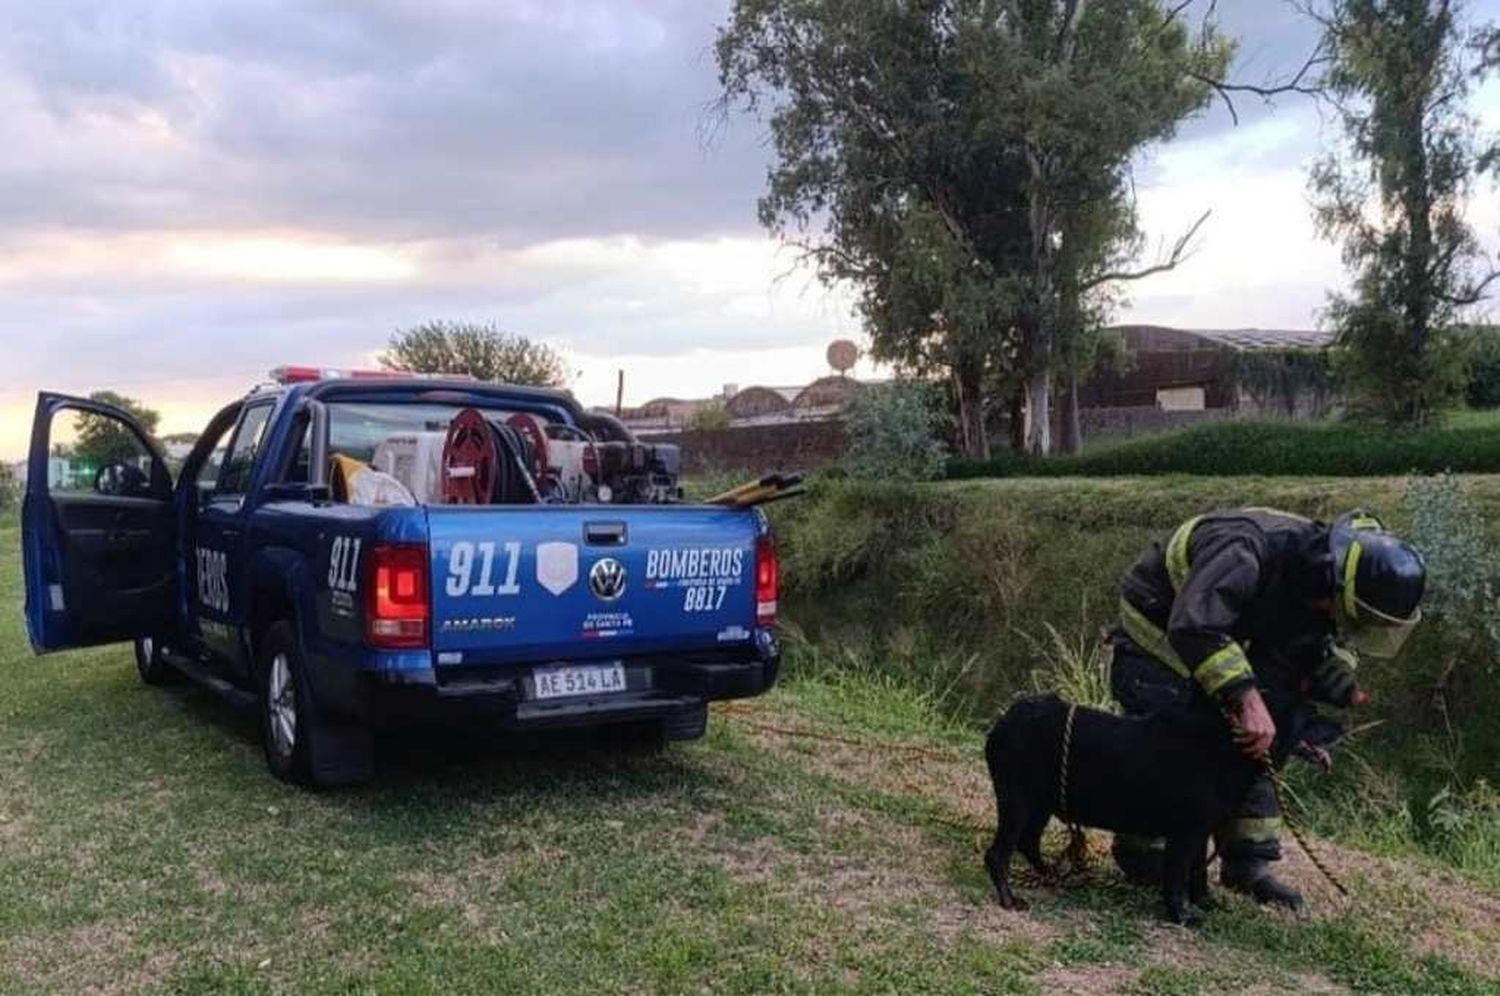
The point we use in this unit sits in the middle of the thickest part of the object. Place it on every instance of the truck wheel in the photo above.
(151, 663)
(302, 746)
(284, 702)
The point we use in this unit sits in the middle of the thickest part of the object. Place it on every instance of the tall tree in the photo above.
(481, 351)
(101, 440)
(940, 145)
(1395, 194)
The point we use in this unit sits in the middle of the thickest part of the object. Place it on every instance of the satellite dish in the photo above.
(842, 355)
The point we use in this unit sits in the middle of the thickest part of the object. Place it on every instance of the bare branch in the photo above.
(1298, 83)
(1474, 294)
(1180, 251)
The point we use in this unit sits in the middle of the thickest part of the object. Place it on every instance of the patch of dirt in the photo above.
(1431, 908)
(1088, 980)
(1306, 983)
(72, 960)
(899, 870)
(953, 918)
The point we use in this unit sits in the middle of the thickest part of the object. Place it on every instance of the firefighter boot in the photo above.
(1253, 877)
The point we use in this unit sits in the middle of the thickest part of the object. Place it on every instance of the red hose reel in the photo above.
(471, 460)
(530, 429)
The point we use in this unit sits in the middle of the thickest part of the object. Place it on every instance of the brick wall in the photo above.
(759, 449)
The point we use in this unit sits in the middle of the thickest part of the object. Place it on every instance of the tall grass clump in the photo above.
(1074, 667)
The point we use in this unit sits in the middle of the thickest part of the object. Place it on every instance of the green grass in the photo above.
(143, 847)
(1469, 443)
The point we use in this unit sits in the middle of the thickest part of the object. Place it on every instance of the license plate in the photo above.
(580, 679)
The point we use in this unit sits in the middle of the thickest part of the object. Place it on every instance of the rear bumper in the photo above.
(505, 698)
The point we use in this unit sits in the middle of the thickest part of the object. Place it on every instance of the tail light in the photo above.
(767, 580)
(396, 604)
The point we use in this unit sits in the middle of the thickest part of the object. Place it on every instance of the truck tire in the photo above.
(302, 746)
(151, 662)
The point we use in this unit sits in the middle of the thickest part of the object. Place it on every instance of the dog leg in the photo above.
(1177, 865)
(1198, 893)
(997, 858)
(1031, 844)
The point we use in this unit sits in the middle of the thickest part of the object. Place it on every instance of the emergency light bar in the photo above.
(303, 375)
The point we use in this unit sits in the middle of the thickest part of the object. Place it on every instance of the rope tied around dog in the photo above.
(1076, 852)
(1065, 756)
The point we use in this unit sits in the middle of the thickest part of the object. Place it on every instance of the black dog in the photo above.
(1175, 774)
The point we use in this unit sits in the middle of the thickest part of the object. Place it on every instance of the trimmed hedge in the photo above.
(1272, 448)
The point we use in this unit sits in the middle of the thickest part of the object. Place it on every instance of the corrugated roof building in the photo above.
(1196, 369)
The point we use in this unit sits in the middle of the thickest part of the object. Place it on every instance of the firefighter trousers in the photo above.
(1142, 684)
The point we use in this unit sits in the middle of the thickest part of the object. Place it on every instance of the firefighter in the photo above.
(1238, 600)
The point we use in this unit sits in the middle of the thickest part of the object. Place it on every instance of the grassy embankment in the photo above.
(144, 848)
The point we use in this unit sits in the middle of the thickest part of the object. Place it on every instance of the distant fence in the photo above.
(759, 449)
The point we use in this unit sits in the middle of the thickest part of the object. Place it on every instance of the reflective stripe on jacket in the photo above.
(1227, 586)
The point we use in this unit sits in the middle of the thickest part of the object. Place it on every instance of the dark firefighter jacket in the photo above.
(1229, 588)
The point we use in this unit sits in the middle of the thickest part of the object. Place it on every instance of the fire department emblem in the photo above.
(556, 566)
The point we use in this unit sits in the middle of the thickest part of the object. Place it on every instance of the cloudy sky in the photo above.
(194, 192)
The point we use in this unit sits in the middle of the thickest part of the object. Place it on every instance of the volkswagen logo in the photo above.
(607, 579)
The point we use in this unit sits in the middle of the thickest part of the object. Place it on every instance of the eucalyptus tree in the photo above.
(1395, 194)
(964, 164)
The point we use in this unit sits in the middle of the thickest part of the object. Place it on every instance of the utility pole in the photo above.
(620, 394)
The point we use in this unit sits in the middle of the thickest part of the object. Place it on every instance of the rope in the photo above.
(1278, 785)
(916, 750)
(1067, 755)
(1076, 854)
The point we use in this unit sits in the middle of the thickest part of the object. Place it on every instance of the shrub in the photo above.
(893, 433)
(1462, 565)
(1483, 387)
(1251, 447)
(711, 417)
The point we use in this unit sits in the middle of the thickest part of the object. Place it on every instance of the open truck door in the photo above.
(97, 527)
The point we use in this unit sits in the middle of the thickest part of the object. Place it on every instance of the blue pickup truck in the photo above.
(347, 553)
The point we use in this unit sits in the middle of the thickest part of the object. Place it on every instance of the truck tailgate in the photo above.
(558, 583)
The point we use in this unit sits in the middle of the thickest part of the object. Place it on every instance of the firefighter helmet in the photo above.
(1378, 582)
